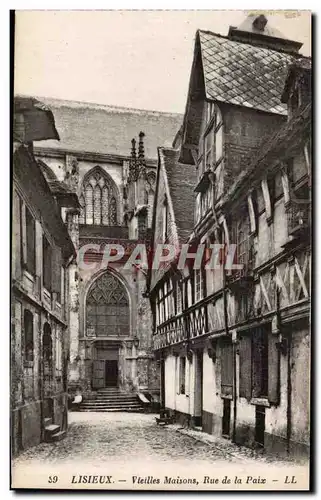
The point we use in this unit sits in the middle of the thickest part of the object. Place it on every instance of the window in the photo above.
(299, 210)
(31, 243)
(178, 298)
(260, 363)
(211, 145)
(166, 301)
(242, 255)
(98, 200)
(47, 354)
(198, 284)
(182, 369)
(107, 308)
(28, 335)
(46, 263)
(58, 355)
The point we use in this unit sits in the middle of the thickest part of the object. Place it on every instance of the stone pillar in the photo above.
(73, 303)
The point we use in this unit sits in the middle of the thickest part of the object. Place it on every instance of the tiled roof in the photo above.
(243, 74)
(95, 128)
(181, 182)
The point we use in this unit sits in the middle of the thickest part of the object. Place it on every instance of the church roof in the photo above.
(96, 128)
(243, 74)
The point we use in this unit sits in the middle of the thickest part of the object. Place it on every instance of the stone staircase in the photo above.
(111, 399)
(53, 432)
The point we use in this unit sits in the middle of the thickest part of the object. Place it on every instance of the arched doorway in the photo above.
(107, 320)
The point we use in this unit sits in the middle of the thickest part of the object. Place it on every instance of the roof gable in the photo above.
(243, 74)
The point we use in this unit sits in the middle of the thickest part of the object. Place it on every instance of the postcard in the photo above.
(161, 248)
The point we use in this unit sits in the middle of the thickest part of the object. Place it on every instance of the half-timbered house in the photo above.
(235, 357)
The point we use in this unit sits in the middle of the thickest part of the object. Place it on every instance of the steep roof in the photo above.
(243, 74)
(96, 128)
(181, 183)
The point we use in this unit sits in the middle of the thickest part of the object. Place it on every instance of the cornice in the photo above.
(87, 156)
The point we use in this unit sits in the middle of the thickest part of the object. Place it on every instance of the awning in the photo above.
(33, 121)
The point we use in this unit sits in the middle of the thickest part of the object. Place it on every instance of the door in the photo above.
(198, 398)
(98, 380)
(111, 371)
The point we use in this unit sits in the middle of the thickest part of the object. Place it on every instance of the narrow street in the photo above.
(130, 437)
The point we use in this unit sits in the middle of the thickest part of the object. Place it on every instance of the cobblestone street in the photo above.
(126, 437)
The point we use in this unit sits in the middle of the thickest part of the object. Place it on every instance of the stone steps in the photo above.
(111, 399)
(126, 410)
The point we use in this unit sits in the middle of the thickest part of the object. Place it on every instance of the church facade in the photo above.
(108, 157)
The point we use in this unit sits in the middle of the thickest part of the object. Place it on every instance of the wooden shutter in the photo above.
(24, 235)
(256, 364)
(273, 370)
(227, 370)
(245, 347)
(56, 270)
(98, 380)
(17, 236)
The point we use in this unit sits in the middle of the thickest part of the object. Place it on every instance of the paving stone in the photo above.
(124, 437)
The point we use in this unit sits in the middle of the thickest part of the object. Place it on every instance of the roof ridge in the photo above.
(244, 42)
(93, 105)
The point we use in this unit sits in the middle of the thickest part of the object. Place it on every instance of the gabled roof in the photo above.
(181, 181)
(243, 74)
(96, 128)
(33, 120)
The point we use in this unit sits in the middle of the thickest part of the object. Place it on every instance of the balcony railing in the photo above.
(299, 217)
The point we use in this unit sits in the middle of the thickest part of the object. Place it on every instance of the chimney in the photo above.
(260, 22)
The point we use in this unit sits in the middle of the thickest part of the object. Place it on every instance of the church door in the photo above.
(98, 380)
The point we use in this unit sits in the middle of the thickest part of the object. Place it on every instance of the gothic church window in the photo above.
(107, 308)
(98, 202)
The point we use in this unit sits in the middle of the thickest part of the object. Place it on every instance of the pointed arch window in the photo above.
(107, 308)
(98, 201)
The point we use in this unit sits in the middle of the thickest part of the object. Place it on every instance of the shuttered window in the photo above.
(182, 368)
(46, 263)
(227, 369)
(259, 365)
(245, 350)
(274, 370)
(56, 262)
(31, 243)
(28, 335)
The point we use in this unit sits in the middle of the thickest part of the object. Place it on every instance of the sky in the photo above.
(137, 59)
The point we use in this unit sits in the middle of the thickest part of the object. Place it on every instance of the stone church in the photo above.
(108, 156)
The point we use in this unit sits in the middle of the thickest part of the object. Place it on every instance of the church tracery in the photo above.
(107, 307)
(98, 200)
